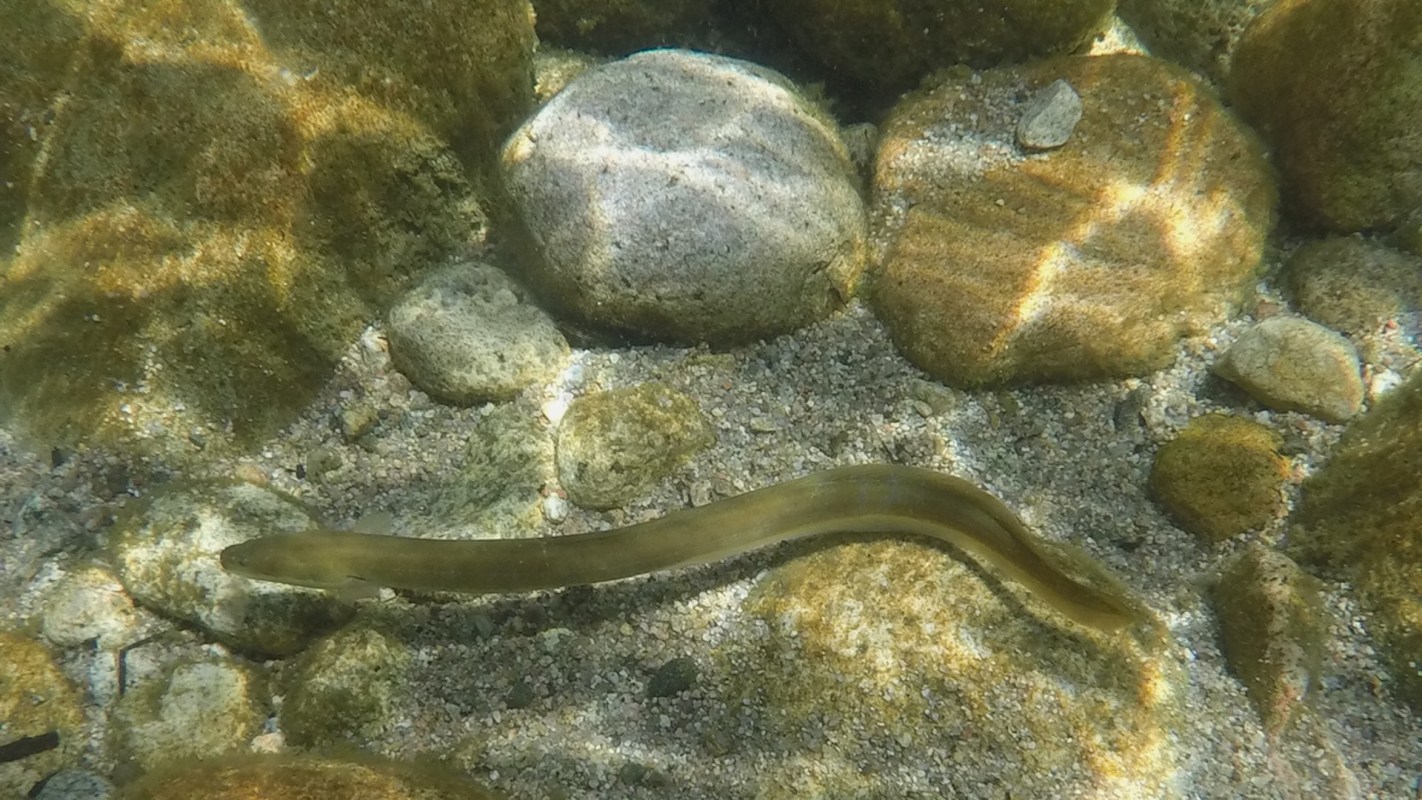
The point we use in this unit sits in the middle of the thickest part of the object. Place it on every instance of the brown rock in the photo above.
(1087, 261)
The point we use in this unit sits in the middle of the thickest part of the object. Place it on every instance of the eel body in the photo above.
(878, 498)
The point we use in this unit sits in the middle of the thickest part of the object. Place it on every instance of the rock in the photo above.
(202, 264)
(1366, 290)
(75, 784)
(196, 710)
(1049, 117)
(1358, 520)
(686, 197)
(499, 487)
(308, 777)
(1199, 34)
(467, 334)
(890, 45)
(1291, 364)
(345, 689)
(1083, 262)
(618, 28)
(613, 446)
(1274, 628)
(1333, 86)
(89, 605)
(1221, 476)
(906, 641)
(166, 550)
(36, 699)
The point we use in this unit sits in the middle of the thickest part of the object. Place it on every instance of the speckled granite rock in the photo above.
(889, 44)
(468, 334)
(35, 699)
(1360, 519)
(1334, 86)
(1221, 476)
(613, 446)
(166, 550)
(227, 192)
(196, 709)
(1292, 364)
(1199, 34)
(688, 197)
(1364, 289)
(308, 777)
(1274, 628)
(89, 605)
(1086, 261)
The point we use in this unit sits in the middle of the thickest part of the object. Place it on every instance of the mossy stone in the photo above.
(1336, 87)
(1274, 628)
(1092, 260)
(1221, 476)
(618, 27)
(36, 699)
(226, 196)
(1359, 519)
(613, 446)
(1359, 287)
(307, 777)
(345, 689)
(890, 44)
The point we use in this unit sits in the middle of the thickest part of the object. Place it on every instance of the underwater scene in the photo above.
(681, 399)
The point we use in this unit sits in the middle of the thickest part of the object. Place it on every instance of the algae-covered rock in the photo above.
(890, 44)
(1221, 476)
(1199, 34)
(36, 699)
(345, 689)
(1274, 628)
(166, 553)
(688, 197)
(468, 334)
(1082, 262)
(1362, 288)
(225, 198)
(1294, 364)
(1360, 519)
(307, 777)
(195, 710)
(1334, 86)
(906, 641)
(619, 26)
(613, 446)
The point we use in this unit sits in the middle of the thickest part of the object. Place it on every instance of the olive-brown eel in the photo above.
(875, 498)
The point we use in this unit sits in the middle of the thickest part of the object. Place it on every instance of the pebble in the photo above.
(1292, 364)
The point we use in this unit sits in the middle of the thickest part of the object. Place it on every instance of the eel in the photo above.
(870, 498)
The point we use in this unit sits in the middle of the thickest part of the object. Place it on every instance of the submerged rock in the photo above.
(1221, 476)
(1086, 261)
(685, 196)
